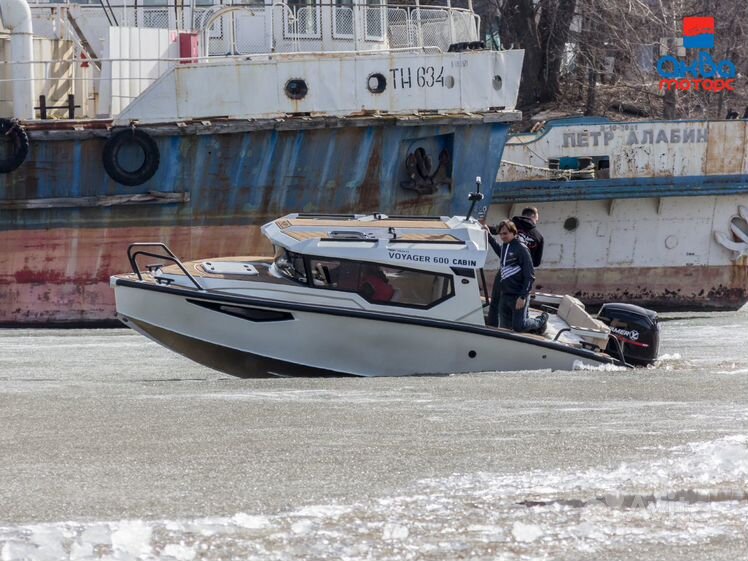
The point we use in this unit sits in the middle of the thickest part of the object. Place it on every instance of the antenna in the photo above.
(474, 197)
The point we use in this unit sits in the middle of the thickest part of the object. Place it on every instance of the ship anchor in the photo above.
(738, 242)
(418, 165)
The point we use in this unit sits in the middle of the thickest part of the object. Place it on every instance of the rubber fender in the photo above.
(113, 166)
(19, 140)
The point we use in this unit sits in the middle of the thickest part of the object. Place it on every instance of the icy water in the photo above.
(113, 448)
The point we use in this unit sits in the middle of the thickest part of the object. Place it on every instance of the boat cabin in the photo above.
(409, 265)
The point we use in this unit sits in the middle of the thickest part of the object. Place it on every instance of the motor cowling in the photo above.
(636, 329)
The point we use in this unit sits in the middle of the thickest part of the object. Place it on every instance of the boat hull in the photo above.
(65, 225)
(304, 339)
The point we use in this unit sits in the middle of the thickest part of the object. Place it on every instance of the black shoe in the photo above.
(543, 324)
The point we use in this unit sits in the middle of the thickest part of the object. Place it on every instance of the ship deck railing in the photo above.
(92, 69)
(251, 28)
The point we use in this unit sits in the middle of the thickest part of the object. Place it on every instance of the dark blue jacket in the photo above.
(529, 235)
(515, 267)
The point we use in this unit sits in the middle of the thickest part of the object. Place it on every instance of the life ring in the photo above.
(19, 140)
(115, 169)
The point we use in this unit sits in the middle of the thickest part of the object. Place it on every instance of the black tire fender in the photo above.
(19, 140)
(151, 159)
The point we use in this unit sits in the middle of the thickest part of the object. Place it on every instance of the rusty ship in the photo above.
(654, 213)
(193, 124)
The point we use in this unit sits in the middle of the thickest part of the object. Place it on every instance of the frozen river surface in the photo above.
(113, 448)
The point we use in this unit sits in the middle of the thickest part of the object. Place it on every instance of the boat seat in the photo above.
(581, 323)
(594, 337)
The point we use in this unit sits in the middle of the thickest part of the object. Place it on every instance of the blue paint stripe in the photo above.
(624, 188)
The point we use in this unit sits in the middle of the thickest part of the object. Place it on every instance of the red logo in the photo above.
(698, 33)
(697, 26)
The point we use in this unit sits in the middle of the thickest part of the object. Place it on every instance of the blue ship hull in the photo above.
(64, 223)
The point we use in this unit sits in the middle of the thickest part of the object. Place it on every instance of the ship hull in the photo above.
(65, 225)
(648, 212)
(659, 288)
(663, 254)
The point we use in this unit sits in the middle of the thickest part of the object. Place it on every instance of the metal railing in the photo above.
(251, 28)
(166, 255)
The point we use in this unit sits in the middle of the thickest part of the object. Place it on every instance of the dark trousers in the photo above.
(502, 312)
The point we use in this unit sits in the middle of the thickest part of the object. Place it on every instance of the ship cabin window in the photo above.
(375, 24)
(382, 284)
(302, 19)
(343, 17)
(291, 265)
(581, 167)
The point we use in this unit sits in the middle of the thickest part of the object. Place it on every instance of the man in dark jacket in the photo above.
(528, 233)
(511, 290)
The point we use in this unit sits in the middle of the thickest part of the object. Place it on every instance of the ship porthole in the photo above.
(571, 224)
(296, 88)
(671, 242)
(472, 354)
(497, 82)
(376, 83)
(449, 82)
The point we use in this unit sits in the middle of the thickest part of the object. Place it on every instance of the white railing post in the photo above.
(232, 33)
(356, 7)
(188, 16)
(270, 25)
(419, 29)
(451, 23)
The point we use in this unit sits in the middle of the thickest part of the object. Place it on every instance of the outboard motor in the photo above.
(636, 330)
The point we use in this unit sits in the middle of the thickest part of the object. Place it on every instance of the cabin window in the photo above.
(580, 167)
(375, 14)
(382, 284)
(302, 19)
(343, 17)
(290, 265)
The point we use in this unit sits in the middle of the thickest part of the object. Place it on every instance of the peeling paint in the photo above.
(55, 263)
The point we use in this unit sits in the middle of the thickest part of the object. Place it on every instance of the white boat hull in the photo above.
(313, 340)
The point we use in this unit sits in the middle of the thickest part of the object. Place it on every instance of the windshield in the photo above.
(290, 264)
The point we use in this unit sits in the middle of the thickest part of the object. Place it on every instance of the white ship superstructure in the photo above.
(654, 212)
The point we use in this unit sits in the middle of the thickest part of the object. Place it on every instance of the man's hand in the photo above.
(519, 304)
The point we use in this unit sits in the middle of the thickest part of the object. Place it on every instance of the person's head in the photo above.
(507, 231)
(532, 213)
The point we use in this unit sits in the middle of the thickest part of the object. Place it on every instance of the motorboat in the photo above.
(363, 295)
